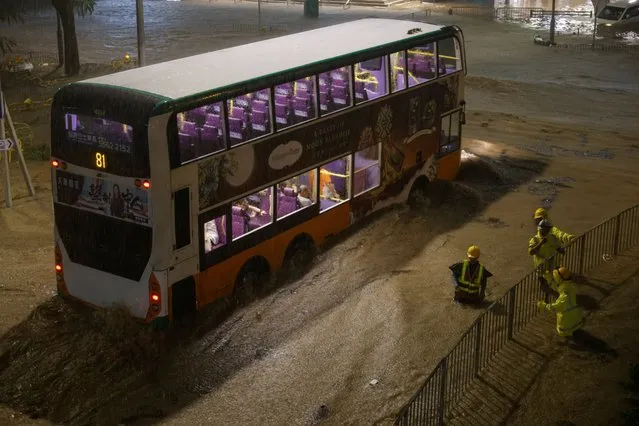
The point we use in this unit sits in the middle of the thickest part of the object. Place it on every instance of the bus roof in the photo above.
(222, 68)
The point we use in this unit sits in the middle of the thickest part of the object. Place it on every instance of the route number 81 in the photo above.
(100, 160)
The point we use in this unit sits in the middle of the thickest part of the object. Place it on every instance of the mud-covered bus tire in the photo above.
(299, 256)
(252, 278)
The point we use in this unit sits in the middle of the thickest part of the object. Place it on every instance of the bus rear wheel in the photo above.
(424, 194)
(252, 278)
(299, 257)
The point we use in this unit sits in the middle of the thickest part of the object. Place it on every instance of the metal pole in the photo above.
(594, 30)
(139, 10)
(23, 164)
(259, 16)
(552, 24)
(5, 159)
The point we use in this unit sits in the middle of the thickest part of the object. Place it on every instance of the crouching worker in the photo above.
(570, 317)
(470, 278)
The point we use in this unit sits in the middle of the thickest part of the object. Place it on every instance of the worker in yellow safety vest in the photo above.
(470, 278)
(541, 214)
(570, 317)
(546, 250)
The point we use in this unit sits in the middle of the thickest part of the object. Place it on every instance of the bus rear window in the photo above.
(100, 144)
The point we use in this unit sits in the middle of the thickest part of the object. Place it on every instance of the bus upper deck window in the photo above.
(335, 89)
(370, 79)
(421, 64)
(200, 131)
(398, 71)
(294, 102)
(249, 116)
(449, 56)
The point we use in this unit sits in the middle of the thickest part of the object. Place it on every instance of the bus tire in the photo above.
(428, 194)
(417, 194)
(299, 256)
(253, 276)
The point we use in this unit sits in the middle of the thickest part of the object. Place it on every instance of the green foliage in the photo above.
(11, 12)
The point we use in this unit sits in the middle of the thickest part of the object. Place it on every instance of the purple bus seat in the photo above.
(372, 176)
(259, 121)
(235, 129)
(189, 128)
(326, 204)
(304, 85)
(265, 200)
(242, 101)
(221, 231)
(338, 75)
(340, 95)
(281, 115)
(187, 147)
(289, 192)
(258, 105)
(302, 107)
(324, 101)
(198, 115)
(217, 108)
(304, 180)
(214, 120)
(209, 140)
(238, 112)
(239, 222)
(281, 99)
(263, 95)
(324, 79)
(360, 93)
(284, 89)
(286, 206)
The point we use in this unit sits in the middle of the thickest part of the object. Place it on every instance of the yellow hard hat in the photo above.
(473, 252)
(541, 213)
(562, 272)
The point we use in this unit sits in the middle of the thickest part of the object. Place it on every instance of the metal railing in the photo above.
(433, 402)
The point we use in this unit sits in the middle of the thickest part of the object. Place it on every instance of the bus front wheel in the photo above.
(254, 276)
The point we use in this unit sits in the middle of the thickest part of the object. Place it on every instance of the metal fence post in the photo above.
(442, 392)
(615, 248)
(511, 311)
(582, 253)
(477, 347)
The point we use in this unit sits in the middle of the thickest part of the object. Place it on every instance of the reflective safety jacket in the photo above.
(570, 317)
(470, 283)
(546, 251)
(563, 237)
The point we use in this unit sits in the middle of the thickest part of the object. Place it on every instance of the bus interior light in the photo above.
(146, 184)
(58, 267)
(55, 163)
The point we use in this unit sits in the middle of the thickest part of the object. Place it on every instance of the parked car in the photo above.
(618, 17)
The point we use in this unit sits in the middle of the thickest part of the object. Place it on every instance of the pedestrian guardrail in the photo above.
(504, 318)
(538, 13)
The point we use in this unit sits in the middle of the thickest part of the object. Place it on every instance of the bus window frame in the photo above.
(239, 90)
(450, 126)
(209, 259)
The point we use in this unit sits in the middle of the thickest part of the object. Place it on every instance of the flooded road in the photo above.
(351, 341)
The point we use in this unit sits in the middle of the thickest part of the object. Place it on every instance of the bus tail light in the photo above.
(155, 295)
(59, 272)
(143, 184)
(58, 164)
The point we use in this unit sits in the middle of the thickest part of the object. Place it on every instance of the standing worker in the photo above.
(541, 214)
(470, 278)
(545, 248)
(570, 317)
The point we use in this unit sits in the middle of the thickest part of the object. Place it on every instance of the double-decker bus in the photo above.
(179, 183)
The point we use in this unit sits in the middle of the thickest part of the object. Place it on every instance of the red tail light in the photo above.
(144, 184)
(155, 295)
